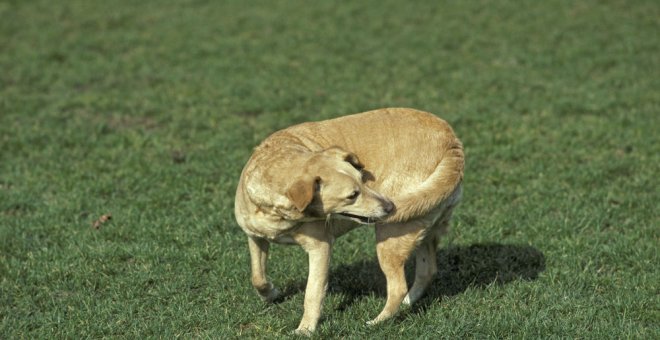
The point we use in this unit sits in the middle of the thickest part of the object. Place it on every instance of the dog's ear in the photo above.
(301, 192)
(345, 156)
(353, 159)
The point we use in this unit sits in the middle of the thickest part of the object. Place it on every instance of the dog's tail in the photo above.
(442, 185)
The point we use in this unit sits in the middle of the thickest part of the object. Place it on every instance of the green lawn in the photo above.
(148, 111)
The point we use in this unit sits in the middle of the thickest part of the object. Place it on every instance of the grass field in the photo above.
(148, 111)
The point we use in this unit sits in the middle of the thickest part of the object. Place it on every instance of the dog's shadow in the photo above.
(459, 267)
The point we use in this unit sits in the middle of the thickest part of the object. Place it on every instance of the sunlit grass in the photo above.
(148, 111)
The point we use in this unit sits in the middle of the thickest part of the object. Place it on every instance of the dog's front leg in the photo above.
(258, 256)
(318, 245)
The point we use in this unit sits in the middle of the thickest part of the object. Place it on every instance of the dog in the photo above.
(398, 169)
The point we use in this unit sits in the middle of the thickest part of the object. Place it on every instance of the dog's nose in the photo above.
(388, 207)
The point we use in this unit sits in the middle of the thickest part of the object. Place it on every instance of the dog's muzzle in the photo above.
(388, 209)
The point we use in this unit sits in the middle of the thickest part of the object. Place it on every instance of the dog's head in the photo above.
(332, 182)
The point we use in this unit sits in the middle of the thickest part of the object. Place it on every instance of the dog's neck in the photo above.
(271, 213)
(266, 190)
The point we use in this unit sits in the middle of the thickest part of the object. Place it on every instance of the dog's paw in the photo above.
(383, 316)
(407, 301)
(303, 332)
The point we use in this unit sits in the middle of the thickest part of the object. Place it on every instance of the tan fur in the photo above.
(301, 193)
(310, 183)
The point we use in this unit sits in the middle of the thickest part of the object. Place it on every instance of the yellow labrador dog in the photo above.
(399, 169)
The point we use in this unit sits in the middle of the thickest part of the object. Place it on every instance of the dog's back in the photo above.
(415, 158)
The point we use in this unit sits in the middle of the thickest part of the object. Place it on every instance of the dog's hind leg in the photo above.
(258, 257)
(425, 269)
(395, 243)
(425, 256)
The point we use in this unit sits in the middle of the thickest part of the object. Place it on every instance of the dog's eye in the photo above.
(353, 195)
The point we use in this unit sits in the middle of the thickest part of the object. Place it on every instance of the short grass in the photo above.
(148, 110)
